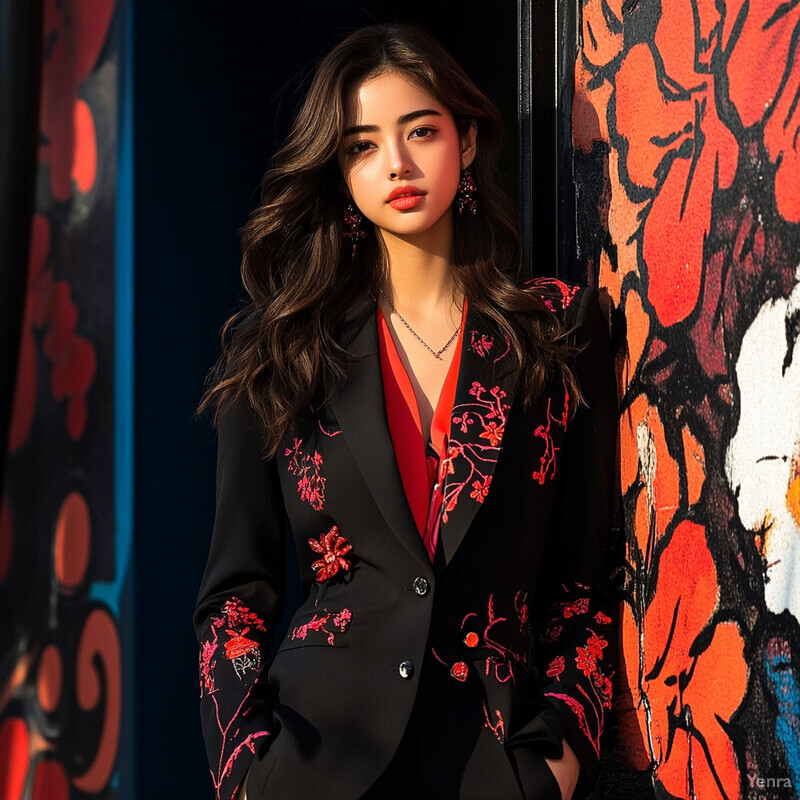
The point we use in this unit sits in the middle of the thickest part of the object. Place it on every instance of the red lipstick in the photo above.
(404, 198)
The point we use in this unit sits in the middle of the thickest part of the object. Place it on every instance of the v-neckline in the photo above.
(411, 452)
(440, 421)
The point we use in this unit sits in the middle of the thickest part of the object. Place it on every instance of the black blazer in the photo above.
(505, 645)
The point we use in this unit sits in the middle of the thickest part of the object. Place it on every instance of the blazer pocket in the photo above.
(322, 627)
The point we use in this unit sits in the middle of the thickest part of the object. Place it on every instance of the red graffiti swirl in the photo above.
(100, 643)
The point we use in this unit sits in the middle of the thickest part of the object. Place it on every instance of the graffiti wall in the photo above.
(60, 665)
(686, 130)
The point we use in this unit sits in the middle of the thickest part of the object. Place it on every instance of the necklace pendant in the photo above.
(434, 353)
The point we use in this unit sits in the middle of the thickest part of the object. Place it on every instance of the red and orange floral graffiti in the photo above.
(689, 102)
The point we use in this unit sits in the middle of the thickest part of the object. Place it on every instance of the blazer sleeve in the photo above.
(240, 602)
(575, 648)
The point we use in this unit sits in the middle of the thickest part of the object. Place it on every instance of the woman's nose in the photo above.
(399, 164)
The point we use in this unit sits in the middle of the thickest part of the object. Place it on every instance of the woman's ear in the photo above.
(469, 144)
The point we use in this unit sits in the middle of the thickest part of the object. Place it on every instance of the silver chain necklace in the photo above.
(435, 353)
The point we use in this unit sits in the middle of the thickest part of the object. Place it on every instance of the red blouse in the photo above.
(418, 463)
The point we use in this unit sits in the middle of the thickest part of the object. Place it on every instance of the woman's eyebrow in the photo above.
(402, 120)
(412, 115)
(360, 129)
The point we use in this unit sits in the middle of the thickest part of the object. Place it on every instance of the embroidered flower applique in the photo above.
(493, 432)
(340, 622)
(480, 489)
(244, 653)
(333, 548)
(307, 468)
(570, 608)
(587, 656)
(237, 614)
(480, 343)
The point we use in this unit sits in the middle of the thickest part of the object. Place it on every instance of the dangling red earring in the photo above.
(466, 192)
(354, 222)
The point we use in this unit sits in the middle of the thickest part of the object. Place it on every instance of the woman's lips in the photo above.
(404, 198)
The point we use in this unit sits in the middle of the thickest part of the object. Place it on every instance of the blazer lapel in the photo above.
(361, 413)
(483, 399)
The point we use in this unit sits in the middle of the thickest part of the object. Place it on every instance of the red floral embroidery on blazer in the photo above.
(319, 624)
(497, 728)
(480, 343)
(506, 640)
(244, 656)
(590, 687)
(556, 667)
(333, 548)
(548, 460)
(489, 411)
(307, 468)
(504, 659)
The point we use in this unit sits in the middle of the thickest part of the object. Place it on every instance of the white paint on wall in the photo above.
(763, 455)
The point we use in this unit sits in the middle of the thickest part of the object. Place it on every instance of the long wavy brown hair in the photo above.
(284, 347)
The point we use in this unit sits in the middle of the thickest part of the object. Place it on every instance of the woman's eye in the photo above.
(359, 147)
(421, 133)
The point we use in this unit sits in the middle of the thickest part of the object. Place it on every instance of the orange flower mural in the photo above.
(760, 36)
(677, 150)
(644, 457)
(687, 687)
(673, 669)
(686, 135)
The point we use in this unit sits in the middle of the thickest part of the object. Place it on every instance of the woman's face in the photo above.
(401, 156)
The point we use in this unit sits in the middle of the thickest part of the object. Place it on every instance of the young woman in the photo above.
(440, 442)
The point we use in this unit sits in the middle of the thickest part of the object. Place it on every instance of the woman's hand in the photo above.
(566, 770)
(243, 790)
